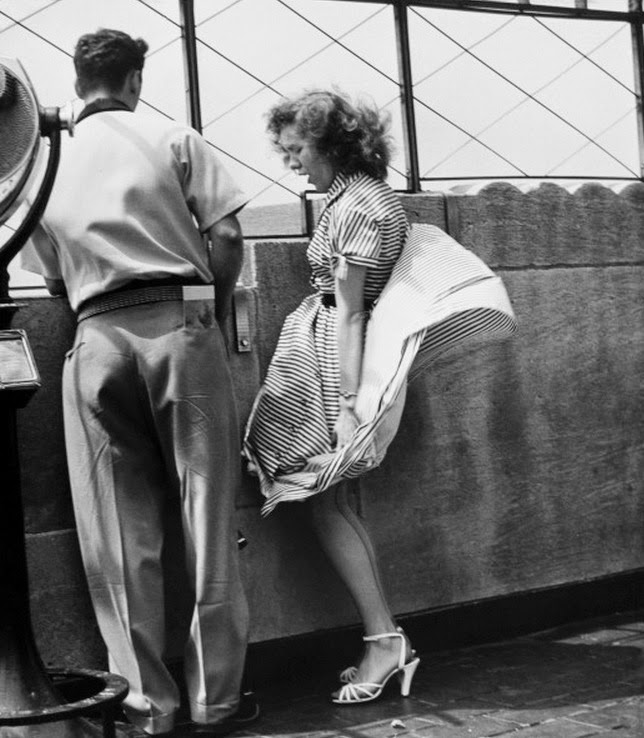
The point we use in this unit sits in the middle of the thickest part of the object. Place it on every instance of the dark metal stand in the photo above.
(29, 696)
(101, 695)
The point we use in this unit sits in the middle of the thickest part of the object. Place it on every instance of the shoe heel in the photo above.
(406, 676)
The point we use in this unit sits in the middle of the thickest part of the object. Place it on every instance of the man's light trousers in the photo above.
(149, 413)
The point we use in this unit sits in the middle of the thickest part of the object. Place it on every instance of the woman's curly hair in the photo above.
(354, 136)
(104, 59)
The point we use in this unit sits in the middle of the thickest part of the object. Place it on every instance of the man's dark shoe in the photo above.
(247, 713)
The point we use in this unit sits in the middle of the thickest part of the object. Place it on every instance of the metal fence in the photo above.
(476, 89)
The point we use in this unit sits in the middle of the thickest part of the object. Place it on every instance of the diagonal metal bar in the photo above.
(452, 123)
(174, 22)
(351, 51)
(407, 89)
(525, 92)
(446, 64)
(462, 53)
(27, 17)
(154, 52)
(586, 56)
(219, 12)
(269, 85)
(151, 7)
(586, 144)
(458, 128)
(277, 182)
(203, 43)
(252, 168)
(20, 22)
(149, 105)
(514, 107)
(473, 138)
(346, 48)
(188, 19)
(39, 36)
(290, 70)
(263, 174)
(262, 82)
(235, 64)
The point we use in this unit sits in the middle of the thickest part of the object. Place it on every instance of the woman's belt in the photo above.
(328, 300)
(139, 292)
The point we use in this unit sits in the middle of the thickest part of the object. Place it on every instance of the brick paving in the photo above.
(575, 682)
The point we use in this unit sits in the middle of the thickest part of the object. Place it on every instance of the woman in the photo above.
(307, 407)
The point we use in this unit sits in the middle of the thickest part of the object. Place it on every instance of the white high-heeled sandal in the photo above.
(346, 676)
(353, 693)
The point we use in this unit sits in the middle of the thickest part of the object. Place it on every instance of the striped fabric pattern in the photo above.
(440, 297)
(362, 223)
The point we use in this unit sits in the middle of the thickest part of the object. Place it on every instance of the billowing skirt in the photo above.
(440, 297)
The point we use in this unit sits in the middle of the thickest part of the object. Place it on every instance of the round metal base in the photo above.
(84, 693)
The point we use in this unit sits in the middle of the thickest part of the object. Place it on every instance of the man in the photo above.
(148, 402)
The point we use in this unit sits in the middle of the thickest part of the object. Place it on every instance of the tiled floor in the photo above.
(584, 680)
(581, 681)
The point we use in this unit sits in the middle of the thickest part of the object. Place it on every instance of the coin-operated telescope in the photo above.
(33, 701)
(23, 125)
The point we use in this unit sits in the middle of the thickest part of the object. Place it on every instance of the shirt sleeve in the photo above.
(357, 239)
(210, 190)
(39, 255)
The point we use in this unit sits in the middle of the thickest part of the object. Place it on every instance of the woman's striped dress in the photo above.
(430, 296)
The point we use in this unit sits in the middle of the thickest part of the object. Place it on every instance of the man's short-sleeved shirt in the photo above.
(132, 197)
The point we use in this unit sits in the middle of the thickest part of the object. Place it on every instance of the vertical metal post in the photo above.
(407, 94)
(637, 37)
(191, 68)
(306, 214)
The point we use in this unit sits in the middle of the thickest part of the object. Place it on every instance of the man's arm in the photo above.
(226, 257)
(41, 257)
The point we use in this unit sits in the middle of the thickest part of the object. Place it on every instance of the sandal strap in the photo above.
(358, 692)
(402, 660)
(380, 636)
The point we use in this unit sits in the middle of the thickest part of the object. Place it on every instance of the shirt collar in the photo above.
(340, 183)
(100, 105)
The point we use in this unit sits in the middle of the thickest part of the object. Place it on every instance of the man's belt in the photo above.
(139, 294)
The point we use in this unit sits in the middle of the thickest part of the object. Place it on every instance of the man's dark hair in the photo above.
(104, 59)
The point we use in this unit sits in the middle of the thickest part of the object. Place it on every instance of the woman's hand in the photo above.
(345, 426)
(252, 469)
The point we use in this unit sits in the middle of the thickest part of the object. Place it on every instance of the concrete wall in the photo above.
(517, 468)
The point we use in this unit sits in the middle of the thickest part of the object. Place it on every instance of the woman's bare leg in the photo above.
(347, 544)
